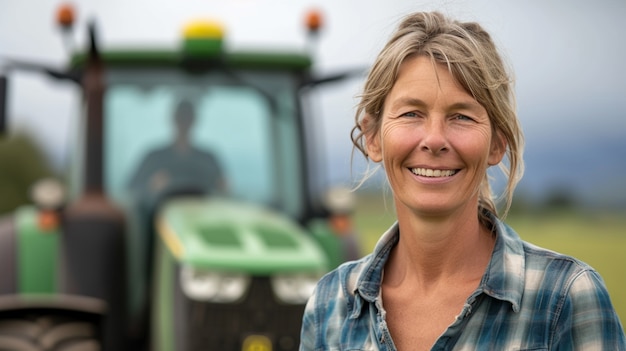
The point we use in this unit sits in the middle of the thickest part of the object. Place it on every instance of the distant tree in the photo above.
(560, 198)
(22, 162)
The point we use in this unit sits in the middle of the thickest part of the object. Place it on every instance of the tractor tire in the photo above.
(48, 333)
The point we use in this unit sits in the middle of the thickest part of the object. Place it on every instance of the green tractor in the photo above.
(191, 220)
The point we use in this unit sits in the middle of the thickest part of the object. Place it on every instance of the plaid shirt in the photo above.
(528, 299)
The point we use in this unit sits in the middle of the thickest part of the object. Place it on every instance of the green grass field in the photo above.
(597, 239)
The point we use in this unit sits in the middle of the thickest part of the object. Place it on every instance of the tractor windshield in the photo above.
(234, 135)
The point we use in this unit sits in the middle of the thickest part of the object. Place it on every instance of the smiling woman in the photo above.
(437, 111)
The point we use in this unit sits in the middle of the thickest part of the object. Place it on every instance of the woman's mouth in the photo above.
(433, 173)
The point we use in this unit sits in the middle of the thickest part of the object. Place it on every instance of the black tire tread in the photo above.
(47, 333)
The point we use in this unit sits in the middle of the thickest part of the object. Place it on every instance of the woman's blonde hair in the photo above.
(472, 58)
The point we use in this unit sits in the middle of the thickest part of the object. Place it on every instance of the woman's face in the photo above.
(435, 141)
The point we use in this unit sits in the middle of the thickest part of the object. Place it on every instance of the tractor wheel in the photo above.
(47, 333)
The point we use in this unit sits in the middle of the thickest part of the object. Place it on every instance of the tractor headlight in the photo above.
(221, 287)
(294, 288)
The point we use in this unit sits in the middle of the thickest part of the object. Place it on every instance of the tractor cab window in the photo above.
(213, 134)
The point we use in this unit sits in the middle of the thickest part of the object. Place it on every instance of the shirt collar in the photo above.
(369, 279)
(505, 274)
(503, 278)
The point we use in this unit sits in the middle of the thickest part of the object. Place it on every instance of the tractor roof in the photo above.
(202, 47)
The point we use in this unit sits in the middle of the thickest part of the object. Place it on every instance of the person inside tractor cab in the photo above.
(178, 168)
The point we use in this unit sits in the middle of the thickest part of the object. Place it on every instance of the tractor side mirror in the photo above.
(3, 104)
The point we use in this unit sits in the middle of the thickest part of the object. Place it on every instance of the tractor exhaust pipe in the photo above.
(93, 242)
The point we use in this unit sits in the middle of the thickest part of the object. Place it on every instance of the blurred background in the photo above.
(567, 57)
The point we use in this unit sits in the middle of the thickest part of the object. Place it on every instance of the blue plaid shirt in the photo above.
(528, 299)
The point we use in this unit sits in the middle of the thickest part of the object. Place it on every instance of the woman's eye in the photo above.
(409, 114)
(463, 117)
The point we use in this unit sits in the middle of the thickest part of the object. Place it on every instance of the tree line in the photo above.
(22, 163)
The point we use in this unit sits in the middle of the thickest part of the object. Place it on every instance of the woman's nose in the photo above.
(434, 139)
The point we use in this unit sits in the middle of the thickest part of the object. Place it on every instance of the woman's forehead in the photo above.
(421, 80)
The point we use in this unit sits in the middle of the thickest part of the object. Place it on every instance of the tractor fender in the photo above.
(58, 303)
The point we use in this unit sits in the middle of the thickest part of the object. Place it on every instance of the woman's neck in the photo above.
(434, 250)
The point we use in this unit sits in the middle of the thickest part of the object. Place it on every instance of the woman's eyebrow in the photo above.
(407, 100)
(466, 105)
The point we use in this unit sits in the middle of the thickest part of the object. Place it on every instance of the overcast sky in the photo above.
(568, 55)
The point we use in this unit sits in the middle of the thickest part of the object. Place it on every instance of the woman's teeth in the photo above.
(426, 172)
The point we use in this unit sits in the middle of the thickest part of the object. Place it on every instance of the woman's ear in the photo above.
(372, 140)
(497, 149)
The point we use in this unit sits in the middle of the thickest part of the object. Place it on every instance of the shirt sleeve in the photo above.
(588, 320)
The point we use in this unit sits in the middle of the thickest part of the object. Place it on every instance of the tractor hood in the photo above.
(228, 235)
